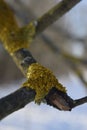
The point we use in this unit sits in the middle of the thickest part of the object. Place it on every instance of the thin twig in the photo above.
(79, 102)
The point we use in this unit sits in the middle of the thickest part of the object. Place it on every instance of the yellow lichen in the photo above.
(15, 40)
(41, 80)
(13, 37)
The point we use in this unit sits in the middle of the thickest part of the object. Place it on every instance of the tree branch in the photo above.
(23, 59)
(54, 14)
(15, 101)
(23, 96)
(79, 102)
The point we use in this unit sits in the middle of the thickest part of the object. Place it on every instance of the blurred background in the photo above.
(62, 47)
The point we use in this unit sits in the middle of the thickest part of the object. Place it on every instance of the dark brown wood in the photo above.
(15, 101)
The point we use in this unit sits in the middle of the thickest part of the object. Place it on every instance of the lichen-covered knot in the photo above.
(41, 80)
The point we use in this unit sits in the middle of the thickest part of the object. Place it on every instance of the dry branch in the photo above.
(24, 59)
(23, 96)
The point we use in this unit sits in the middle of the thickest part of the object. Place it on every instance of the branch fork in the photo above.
(23, 58)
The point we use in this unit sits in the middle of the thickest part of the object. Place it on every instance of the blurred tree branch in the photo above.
(69, 59)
